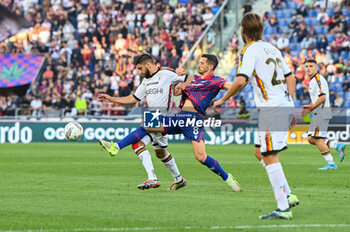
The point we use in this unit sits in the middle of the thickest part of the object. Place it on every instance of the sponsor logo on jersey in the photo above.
(154, 91)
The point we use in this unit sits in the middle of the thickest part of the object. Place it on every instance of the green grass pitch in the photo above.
(78, 187)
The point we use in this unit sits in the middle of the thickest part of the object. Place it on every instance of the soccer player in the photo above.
(274, 85)
(157, 87)
(196, 98)
(321, 114)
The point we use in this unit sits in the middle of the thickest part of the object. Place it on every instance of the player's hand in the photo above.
(179, 88)
(306, 110)
(180, 71)
(293, 122)
(104, 97)
(217, 104)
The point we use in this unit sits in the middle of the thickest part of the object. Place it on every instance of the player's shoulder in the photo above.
(257, 47)
(166, 70)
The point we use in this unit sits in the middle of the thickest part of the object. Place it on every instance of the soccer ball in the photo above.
(73, 131)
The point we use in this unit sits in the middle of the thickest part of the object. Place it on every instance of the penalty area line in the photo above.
(262, 227)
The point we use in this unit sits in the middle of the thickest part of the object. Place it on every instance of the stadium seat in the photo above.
(282, 22)
(280, 14)
(271, 13)
(293, 47)
(292, 5)
(344, 54)
(347, 104)
(318, 29)
(347, 96)
(288, 14)
(330, 38)
(315, 22)
(297, 103)
(329, 12)
(346, 12)
(325, 30)
(270, 30)
(313, 13)
(293, 39)
(283, 29)
(308, 21)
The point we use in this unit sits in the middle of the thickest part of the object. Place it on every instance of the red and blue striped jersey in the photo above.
(201, 91)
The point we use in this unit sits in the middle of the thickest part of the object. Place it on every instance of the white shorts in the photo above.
(158, 140)
(273, 131)
(318, 127)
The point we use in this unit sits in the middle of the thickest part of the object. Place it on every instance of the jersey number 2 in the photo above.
(276, 63)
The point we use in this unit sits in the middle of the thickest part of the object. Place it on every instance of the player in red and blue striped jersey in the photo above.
(196, 98)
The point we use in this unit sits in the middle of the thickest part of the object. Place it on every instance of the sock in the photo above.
(262, 162)
(287, 188)
(278, 182)
(133, 137)
(146, 161)
(169, 162)
(331, 144)
(328, 157)
(214, 165)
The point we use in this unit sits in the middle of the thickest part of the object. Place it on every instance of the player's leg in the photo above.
(278, 182)
(134, 137)
(340, 148)
(316, 135)
(160, 145)
(257, 152)
(213, 165)
(271, 144)
(146, 160)
(323, 148)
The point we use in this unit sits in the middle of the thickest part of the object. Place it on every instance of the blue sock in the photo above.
(214, 165)
(133, 137)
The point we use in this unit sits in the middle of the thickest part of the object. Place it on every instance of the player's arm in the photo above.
(120, 100)
(291, 84)
(239, 83)
(309, 108)
(181, 86)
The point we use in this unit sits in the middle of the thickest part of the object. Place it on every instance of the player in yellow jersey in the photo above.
(274, 86)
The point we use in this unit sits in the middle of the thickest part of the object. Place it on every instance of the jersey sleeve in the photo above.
(140, 92)
(321, 88)
(247, 64)
(221, 82)
(176, 79)
(286, 70)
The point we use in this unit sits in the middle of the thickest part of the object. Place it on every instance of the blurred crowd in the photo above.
(318, 29)
(90, 47)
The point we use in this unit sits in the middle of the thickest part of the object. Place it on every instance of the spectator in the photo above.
(308, 42)
(338, 102)
(322, 17)
(332, 97)
(80, 104)
(335, 20)
(208, 16)
(283, 43)
(322, 43)
(36, 105)
(346, 85)
(302, 9)
(247, 7)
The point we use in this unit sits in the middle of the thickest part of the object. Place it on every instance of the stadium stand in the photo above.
(90, 48)
(311, 30)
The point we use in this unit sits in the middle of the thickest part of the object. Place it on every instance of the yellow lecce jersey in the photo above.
(263, 65)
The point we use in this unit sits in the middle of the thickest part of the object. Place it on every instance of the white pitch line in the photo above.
(188, 228)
